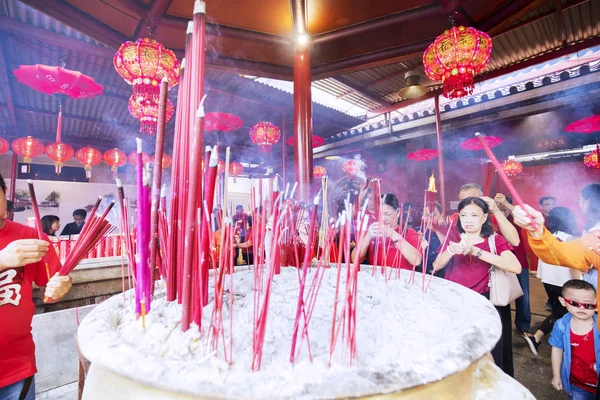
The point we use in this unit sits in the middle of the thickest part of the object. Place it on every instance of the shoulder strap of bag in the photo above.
(492, 243)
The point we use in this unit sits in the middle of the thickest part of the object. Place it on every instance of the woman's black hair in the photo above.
(47, 221)
(562, 219)
(391, 200)
(486, 229)
(591, 193)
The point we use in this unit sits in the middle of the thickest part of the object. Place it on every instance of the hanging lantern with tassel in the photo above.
(60, 153)
(28, 148)
(115, 158)
(89, 157)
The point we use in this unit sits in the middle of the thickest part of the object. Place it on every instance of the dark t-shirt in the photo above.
(71, 229)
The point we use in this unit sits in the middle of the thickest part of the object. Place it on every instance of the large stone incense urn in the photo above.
(410, 344)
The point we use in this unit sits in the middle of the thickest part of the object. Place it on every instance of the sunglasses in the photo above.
(587, 306)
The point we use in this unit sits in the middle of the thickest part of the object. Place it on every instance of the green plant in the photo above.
(54, 196)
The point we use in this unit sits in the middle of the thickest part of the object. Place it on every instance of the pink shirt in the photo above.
(470, 271)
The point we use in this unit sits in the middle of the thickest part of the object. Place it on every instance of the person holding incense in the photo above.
(582, 254)
(563, 225)
(75, 227)
(522, 304)
(396, 246)
(246, 247)
(469, 262)
(21, 265)
(50, 224)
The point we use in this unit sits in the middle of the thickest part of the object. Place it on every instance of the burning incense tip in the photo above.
(29, 181)
(138, 142)
(164, 79)
(275, 185)
(207, 149)
(182, 64)
(477, 134)
(316, 201)
(190, 28)
(214, 158)
(199, 7)
(200, 112)
(163, 190)
(294, 190)
(119, 183)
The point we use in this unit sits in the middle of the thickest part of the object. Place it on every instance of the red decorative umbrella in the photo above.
(319, 172)
(115, 158)
(222, 122)
(317, 141)
(167, 161)
(4, 146)
(28, 148)
(512, 167)
(60, 153)
(133, 158)
(59, 82)
(586, 125)
(146, 111)
(265, 134)
(473, 144)
(423, 155)
(455, 57)
(89, 157)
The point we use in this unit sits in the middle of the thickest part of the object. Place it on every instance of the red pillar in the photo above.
(438, 129)
(303, 156)
(13, 176)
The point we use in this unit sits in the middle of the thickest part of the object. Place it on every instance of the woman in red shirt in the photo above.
(469, 261)
(20, 265)
(393, 250)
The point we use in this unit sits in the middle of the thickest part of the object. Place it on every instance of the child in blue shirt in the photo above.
(575, 342)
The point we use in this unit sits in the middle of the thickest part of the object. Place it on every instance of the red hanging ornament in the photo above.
(4, 146)
(143, 64)
(89, 157)
(474, 144)
(132, 157)
(28, 148)
(512, 167)
(145, 109)
(222, 122)
(60, 153)
(586, 125)
(592, 159)
(265, 134)
(115, 158)
(455, 57)
(60, 82)
(235, 169)
(351, 167)
(167, 161)
(319, 172)
(423, 155)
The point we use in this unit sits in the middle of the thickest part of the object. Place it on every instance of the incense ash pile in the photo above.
(404, 339)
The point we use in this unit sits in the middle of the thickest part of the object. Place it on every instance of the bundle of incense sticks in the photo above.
(300, 309)
(144, 278)
(38, 222)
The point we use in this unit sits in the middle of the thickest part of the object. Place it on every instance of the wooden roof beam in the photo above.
(79, 20)
(8, 93)
(363, 91)
(510, 12)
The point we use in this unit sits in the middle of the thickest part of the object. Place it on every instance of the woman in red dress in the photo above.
(393, 250)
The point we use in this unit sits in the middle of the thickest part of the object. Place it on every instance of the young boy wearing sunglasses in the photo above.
(575, 342)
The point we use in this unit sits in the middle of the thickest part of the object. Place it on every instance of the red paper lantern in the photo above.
(4, 146)
(145, 109)
(132, 157)
(317, 141)
(265, 134)
(455, 57)
(222, 122)
(143, 64)
(89, 157)
(592, 159)
(423, 155)
(319, 172)
(167, 161)
(59, 153)
(473, 144)
(115, 158)
(512, 167)
(351, 167)
(28, 148)
(586, 125)
(235, 168)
